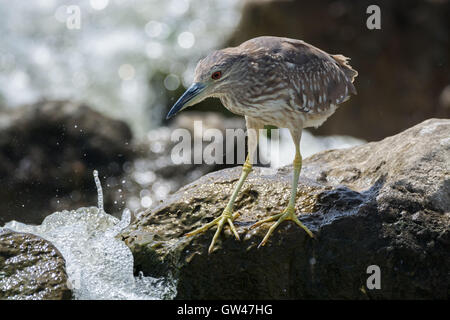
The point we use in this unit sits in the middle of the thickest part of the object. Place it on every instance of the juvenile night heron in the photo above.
(271, 81)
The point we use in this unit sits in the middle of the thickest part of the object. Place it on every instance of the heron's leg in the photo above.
(227, 214)
(289, 212)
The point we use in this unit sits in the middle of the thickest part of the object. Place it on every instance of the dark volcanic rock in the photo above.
(31, 268)
(48, 151)
(384, 203)
(403, 68)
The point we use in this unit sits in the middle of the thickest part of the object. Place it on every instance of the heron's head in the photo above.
(214, 75)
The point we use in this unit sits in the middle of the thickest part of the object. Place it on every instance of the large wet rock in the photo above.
(384, 203)
(48, 151)
(399, 83)
(31, 268)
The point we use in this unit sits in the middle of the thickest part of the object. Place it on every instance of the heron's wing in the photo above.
(318, 78)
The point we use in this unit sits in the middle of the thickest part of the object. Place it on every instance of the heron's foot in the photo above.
(228, 217)
(287, 214)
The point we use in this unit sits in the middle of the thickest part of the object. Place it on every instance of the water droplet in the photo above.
(146, 202)
(172, 82)
(126, 72)
(186, 40)
(99, 4)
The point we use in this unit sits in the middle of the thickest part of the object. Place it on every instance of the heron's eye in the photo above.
(216, 75)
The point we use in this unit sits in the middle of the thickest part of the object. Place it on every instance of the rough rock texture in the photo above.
(48, 151)
(384, 203)
(400, 83)
(31, 268)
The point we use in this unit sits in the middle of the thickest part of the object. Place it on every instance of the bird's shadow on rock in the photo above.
(342, 202)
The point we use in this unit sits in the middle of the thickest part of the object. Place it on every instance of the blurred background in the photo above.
(95, 97)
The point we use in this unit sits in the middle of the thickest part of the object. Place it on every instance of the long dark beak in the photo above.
(187, 99)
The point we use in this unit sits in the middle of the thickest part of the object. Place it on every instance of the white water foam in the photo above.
(99, 266)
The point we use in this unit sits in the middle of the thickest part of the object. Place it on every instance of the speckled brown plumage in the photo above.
(279, 74)
(276, 81)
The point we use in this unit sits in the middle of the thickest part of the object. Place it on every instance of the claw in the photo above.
(220, 221)
(287, 214)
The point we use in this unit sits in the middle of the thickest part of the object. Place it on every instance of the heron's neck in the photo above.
(231, 103)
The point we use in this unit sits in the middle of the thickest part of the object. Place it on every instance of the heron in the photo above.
(269, 80)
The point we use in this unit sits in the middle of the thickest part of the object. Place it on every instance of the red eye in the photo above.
(216, 75)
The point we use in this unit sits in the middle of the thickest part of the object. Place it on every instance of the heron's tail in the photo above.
(346, 67)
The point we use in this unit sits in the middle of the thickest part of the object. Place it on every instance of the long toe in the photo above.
(203, 228)
(270, 219)
(226, 217)
(297, 221)
(287, 214)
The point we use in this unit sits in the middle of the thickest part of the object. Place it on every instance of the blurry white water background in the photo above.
(284, 152)
(109, 62)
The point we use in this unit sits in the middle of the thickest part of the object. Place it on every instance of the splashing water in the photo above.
(98, 265)
(99, 191)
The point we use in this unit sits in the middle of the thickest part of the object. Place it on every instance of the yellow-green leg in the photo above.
(227, 214)
(289, 212)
